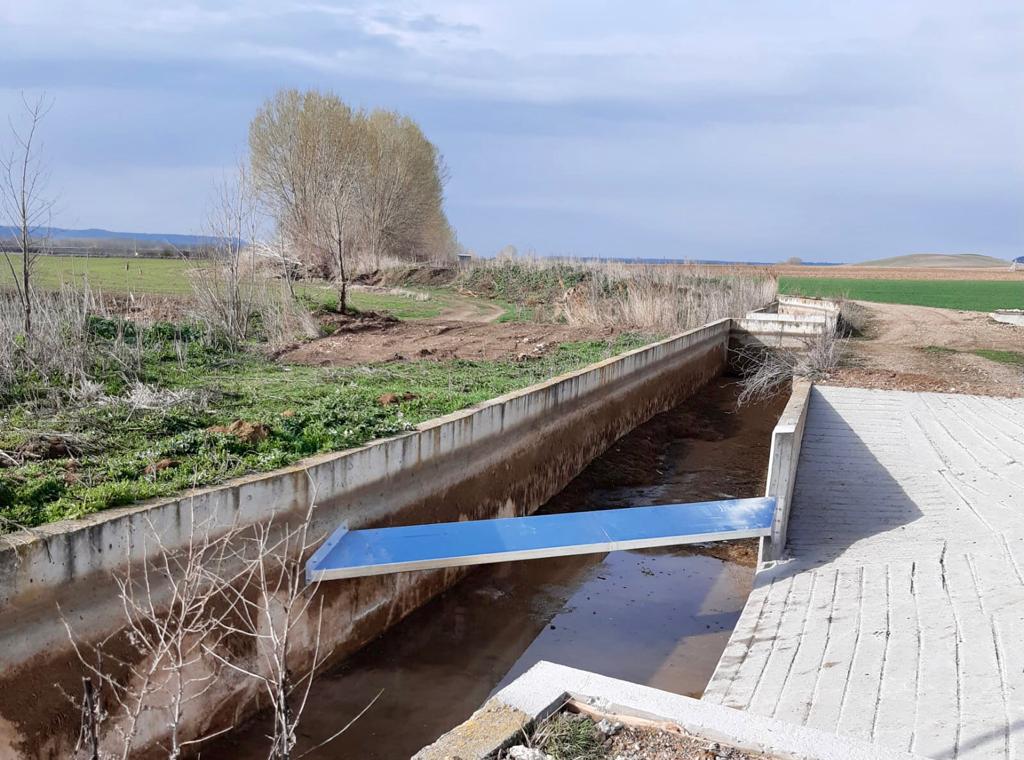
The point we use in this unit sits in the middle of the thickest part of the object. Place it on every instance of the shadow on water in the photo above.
(660, 617)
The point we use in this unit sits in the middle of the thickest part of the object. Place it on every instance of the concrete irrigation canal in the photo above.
(660, 617)
(879, 617)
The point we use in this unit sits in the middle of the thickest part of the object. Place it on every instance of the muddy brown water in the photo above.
(660, 617)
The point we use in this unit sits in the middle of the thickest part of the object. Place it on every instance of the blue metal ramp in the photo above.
(352, 554)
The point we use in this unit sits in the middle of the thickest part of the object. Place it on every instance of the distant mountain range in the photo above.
(145, 239)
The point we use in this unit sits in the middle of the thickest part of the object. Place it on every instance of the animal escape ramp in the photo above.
(378, 551)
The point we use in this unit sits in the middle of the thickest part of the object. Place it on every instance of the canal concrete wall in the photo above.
(501, 458)
(787, 439)
(800, 306)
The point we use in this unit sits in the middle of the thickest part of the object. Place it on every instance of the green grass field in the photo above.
(1013, 358)
(968, 295)
(108, 275)
(323, 296)
(169, 277)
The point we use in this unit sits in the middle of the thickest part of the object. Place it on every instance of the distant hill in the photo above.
(939, 261)
(97, 238)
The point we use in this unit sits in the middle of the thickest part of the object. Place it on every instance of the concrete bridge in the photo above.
(896, 614)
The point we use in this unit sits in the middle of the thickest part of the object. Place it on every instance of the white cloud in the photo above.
(678, 118)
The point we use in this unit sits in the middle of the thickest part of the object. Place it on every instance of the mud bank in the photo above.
(658, 617)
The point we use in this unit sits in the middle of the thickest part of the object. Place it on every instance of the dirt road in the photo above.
(927, 349)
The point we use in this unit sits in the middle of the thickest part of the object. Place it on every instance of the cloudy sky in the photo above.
(718, 129)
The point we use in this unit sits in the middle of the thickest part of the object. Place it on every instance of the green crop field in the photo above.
(169, 277)
(107, 275)
(968, 295)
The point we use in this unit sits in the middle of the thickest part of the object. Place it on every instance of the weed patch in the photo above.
(165, 431)
(1014, 358)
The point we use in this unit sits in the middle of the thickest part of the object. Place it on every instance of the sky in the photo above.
(722, 129)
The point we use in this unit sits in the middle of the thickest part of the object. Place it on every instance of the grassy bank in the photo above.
(968, 295)
(198, 415)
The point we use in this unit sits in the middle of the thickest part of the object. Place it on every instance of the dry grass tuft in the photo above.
(767, 370)
(58, 345)
(661, 298)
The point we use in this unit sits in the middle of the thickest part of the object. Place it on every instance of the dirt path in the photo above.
(927, 349)
(465, 309)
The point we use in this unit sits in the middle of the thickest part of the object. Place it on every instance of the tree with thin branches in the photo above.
(24, 201)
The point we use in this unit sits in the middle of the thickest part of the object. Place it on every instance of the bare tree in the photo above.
(173, 609)
(341, 158)
(234, 291)
(24, 202)
(226, 286)
(342, 184)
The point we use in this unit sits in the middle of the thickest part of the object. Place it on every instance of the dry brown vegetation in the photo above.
(649, 297)
(664, 299)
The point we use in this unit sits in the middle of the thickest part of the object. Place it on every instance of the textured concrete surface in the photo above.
(898, 617)
(489, 729)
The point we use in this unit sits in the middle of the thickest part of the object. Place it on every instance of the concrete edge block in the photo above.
(547, 685)
(787, 438)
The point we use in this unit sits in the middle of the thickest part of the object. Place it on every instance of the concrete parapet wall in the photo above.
(799, 306)
(789, 322)
(777, 330)
(1009, 316)
(501, 458)
(787, 438)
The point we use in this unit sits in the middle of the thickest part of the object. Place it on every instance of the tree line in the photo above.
(342, 183)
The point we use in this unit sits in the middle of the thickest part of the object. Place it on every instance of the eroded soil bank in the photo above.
(659, 617)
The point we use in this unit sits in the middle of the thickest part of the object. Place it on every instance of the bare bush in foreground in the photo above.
(158, 663)
(275, 607)
(187, 613)
(767, 370)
